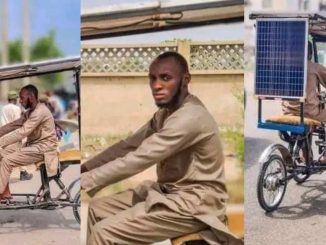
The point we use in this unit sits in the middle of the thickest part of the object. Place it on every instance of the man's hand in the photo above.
(59, 130)
(87, 184)
(85, 181)
(1, 153)
(83, 169)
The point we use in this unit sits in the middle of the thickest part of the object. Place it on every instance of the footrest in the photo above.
(293, 120)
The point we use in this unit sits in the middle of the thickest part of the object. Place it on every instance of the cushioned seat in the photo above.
(72, 156)
(293, 120)
(186, 238)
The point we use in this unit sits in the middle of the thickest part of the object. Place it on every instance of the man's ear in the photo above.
(186, 79)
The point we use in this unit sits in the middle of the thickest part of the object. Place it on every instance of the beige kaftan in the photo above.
(186, 146)
(41, 144)
(316, 72)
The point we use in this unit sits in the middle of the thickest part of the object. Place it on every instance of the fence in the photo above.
(203, 58)
(114, 84)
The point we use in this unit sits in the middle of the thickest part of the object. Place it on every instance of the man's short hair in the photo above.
(177, 57)
(31, 89)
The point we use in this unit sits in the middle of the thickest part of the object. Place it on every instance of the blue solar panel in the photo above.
(281, 57)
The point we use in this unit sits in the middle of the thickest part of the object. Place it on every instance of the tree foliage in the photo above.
(45, 47)
(15, 52)
(42, 49)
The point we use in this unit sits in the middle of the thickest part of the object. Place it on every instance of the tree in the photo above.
(45, 48)
(15, 52)
(42, 49)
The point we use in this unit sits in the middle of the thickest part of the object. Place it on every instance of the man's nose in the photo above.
(156, 85)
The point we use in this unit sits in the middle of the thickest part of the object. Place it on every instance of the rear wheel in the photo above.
(76, 208)
(271, 184)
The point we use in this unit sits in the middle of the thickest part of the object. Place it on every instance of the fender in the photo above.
(279, 150)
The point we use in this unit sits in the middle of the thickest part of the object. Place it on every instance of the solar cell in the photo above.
(281, 57)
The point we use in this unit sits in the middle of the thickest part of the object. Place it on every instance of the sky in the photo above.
(62, 16)
(234, 31)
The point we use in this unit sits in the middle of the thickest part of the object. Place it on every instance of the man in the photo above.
(37, 124)
(312, 109)
(189, 195)
(11, 112)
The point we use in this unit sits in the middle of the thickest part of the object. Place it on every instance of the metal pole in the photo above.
(4, 44)
(259, 109)
(77, 80)
(26, 34)
(301, 113)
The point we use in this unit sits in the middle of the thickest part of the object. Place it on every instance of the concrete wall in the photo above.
(117, 105)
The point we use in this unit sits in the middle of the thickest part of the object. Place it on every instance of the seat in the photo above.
(193, 238)
(234, 221)
(293, 120)
(70, 156)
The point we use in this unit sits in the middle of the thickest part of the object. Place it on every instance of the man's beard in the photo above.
(28, 105)
(174, 100)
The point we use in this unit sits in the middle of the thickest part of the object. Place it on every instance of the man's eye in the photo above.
(165, 78)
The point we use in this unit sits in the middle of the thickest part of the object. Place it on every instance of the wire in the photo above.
(167, 19)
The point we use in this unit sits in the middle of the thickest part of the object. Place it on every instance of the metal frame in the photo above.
(39, 68)
(42, 198)
(301, 128)
(112, 21)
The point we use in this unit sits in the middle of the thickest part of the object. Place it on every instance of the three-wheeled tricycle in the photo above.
(68, 154)
(281, 74)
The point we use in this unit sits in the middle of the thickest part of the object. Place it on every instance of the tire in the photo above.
(270, 182)
(76, 209)
(302, 162)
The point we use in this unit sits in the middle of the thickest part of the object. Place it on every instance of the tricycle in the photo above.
(42, 198)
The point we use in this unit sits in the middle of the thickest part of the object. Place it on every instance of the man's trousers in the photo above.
(11, 157)
(124, 218)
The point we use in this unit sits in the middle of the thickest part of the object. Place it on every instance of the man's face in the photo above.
(165, 78)
(25, 99)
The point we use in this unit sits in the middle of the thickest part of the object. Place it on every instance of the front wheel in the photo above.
(271, 184)
(76, 207)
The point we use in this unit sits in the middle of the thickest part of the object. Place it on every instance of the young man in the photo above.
(182, 139)
(37, 124)
(9, 113)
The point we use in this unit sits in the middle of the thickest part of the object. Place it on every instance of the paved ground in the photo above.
(39, 227)
(301, 217)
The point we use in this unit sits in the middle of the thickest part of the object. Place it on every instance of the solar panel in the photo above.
(281, 58)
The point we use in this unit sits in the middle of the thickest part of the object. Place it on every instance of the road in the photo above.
(39, 227)
(301, 217)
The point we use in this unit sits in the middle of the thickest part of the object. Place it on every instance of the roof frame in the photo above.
(39, 68)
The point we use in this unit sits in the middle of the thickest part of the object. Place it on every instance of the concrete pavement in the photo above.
(39, 227)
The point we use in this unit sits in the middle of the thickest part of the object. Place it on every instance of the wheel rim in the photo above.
(76, 209)
(273, 186)
(300, 162)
